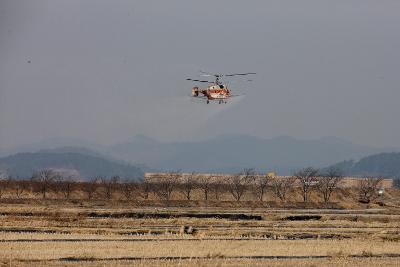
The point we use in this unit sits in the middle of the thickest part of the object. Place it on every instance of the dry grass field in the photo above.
(100, 233)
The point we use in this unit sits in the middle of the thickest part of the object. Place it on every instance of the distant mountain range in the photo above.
(383, 164)
(231, 153)
(226, 153)
(23, 165)
(52, 143)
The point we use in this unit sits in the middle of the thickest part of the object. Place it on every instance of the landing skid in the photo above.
(208, 101)
(219, 102)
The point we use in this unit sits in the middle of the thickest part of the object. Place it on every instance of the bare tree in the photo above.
(55, 183)
(145, 188)
(261, 183)
(328, 182)
(129, 188)
(18, 186)
(90, 187)
(4, 186)
(308, 178)
(281, 186)
(205, 185)
(66, 185)
(187, 185)
(368, 188)
(109, 186)
(43, 180)
(165, 186)
(64, 182)
(238, 184)
(218, 187)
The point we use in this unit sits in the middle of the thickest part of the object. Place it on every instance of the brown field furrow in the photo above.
(199, 248)
(68, 235)
(225, 262)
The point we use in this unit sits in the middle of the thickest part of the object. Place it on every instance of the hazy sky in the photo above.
(105, 71)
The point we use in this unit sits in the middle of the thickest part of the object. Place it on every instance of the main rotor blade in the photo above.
(208, 73)
(237, 74)
(195, 80)
(217, 75)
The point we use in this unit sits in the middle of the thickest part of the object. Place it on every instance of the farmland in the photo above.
(241, 221)
(73, 233)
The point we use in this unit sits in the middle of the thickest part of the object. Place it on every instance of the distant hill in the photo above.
(226, 153)
(231, 153)
(74, 149)
(383, 164)
(25, 164)
(50, 144)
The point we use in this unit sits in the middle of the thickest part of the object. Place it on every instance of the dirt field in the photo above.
(99, 233)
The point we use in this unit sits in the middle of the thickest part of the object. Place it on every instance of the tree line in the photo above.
(307, 180)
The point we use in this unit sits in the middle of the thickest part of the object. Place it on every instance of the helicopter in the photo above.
(217, 90)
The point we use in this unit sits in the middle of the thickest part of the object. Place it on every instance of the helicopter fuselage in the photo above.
(213, 92)
(216, 90)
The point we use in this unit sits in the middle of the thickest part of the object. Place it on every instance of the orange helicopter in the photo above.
(216, 90)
